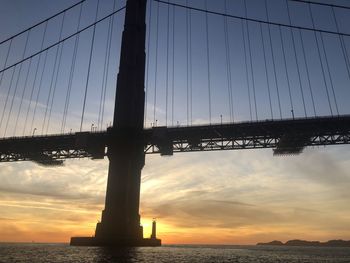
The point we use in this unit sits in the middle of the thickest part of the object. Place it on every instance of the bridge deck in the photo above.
(289, 136)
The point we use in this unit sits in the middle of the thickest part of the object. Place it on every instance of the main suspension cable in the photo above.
(322, 4)
(253, 19)
(64, 39)
(42, 22)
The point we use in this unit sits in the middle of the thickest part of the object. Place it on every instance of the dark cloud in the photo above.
(211, 213)
(322, 168)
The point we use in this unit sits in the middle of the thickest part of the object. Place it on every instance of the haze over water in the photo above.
(38, 253)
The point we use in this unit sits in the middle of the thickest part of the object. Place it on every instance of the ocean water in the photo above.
(38, 253)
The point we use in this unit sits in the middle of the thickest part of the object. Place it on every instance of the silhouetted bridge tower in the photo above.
(120, 224)
(128, 140)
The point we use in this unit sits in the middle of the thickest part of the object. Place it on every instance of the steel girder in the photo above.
(284, 136)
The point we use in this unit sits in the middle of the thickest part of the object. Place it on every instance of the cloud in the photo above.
(244, 196)
(323, 168)
(187, 213)
(250, 189)
(76, 181)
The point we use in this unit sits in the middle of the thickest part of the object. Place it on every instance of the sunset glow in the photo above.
(244, 198)
(236, 197)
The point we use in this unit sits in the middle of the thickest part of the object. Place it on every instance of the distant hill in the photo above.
(304, 243)
(272, 243)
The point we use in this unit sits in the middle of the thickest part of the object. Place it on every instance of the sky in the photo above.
(229, 197)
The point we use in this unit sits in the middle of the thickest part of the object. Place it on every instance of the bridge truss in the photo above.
(284, 136)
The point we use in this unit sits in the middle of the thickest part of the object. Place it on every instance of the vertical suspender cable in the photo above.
(2, 75)
(246, 71)
(329, 74)
(156, 69)
(7, 95)
(273, 61)
(342, 44)
(208, 58)
(55, 85)
(296, 58)
(7, 56)
(228, 64)
(187, 69)
(148, 58)
(173, 72)
(266, 72)
(22, 97)
(320, 58)
(287, 74)
(251, 61)
(15, 91)
(53, 75)
(307, 72)
(33, 85)
(34, 81)
(106, 69)
(106, 76)
(346, 51)
(167, 66)
(71, 74)
(39, 89)
(99, 124)
(89, 67)
(190, 58)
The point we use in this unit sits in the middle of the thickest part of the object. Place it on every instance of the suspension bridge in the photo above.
(193, 76)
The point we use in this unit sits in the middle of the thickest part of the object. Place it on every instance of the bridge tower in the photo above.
(120, 222)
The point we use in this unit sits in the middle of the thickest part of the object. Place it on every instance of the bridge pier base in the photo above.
(120, 222)
(98, 242)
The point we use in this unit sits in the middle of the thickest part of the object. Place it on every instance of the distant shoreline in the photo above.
(304, 243)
